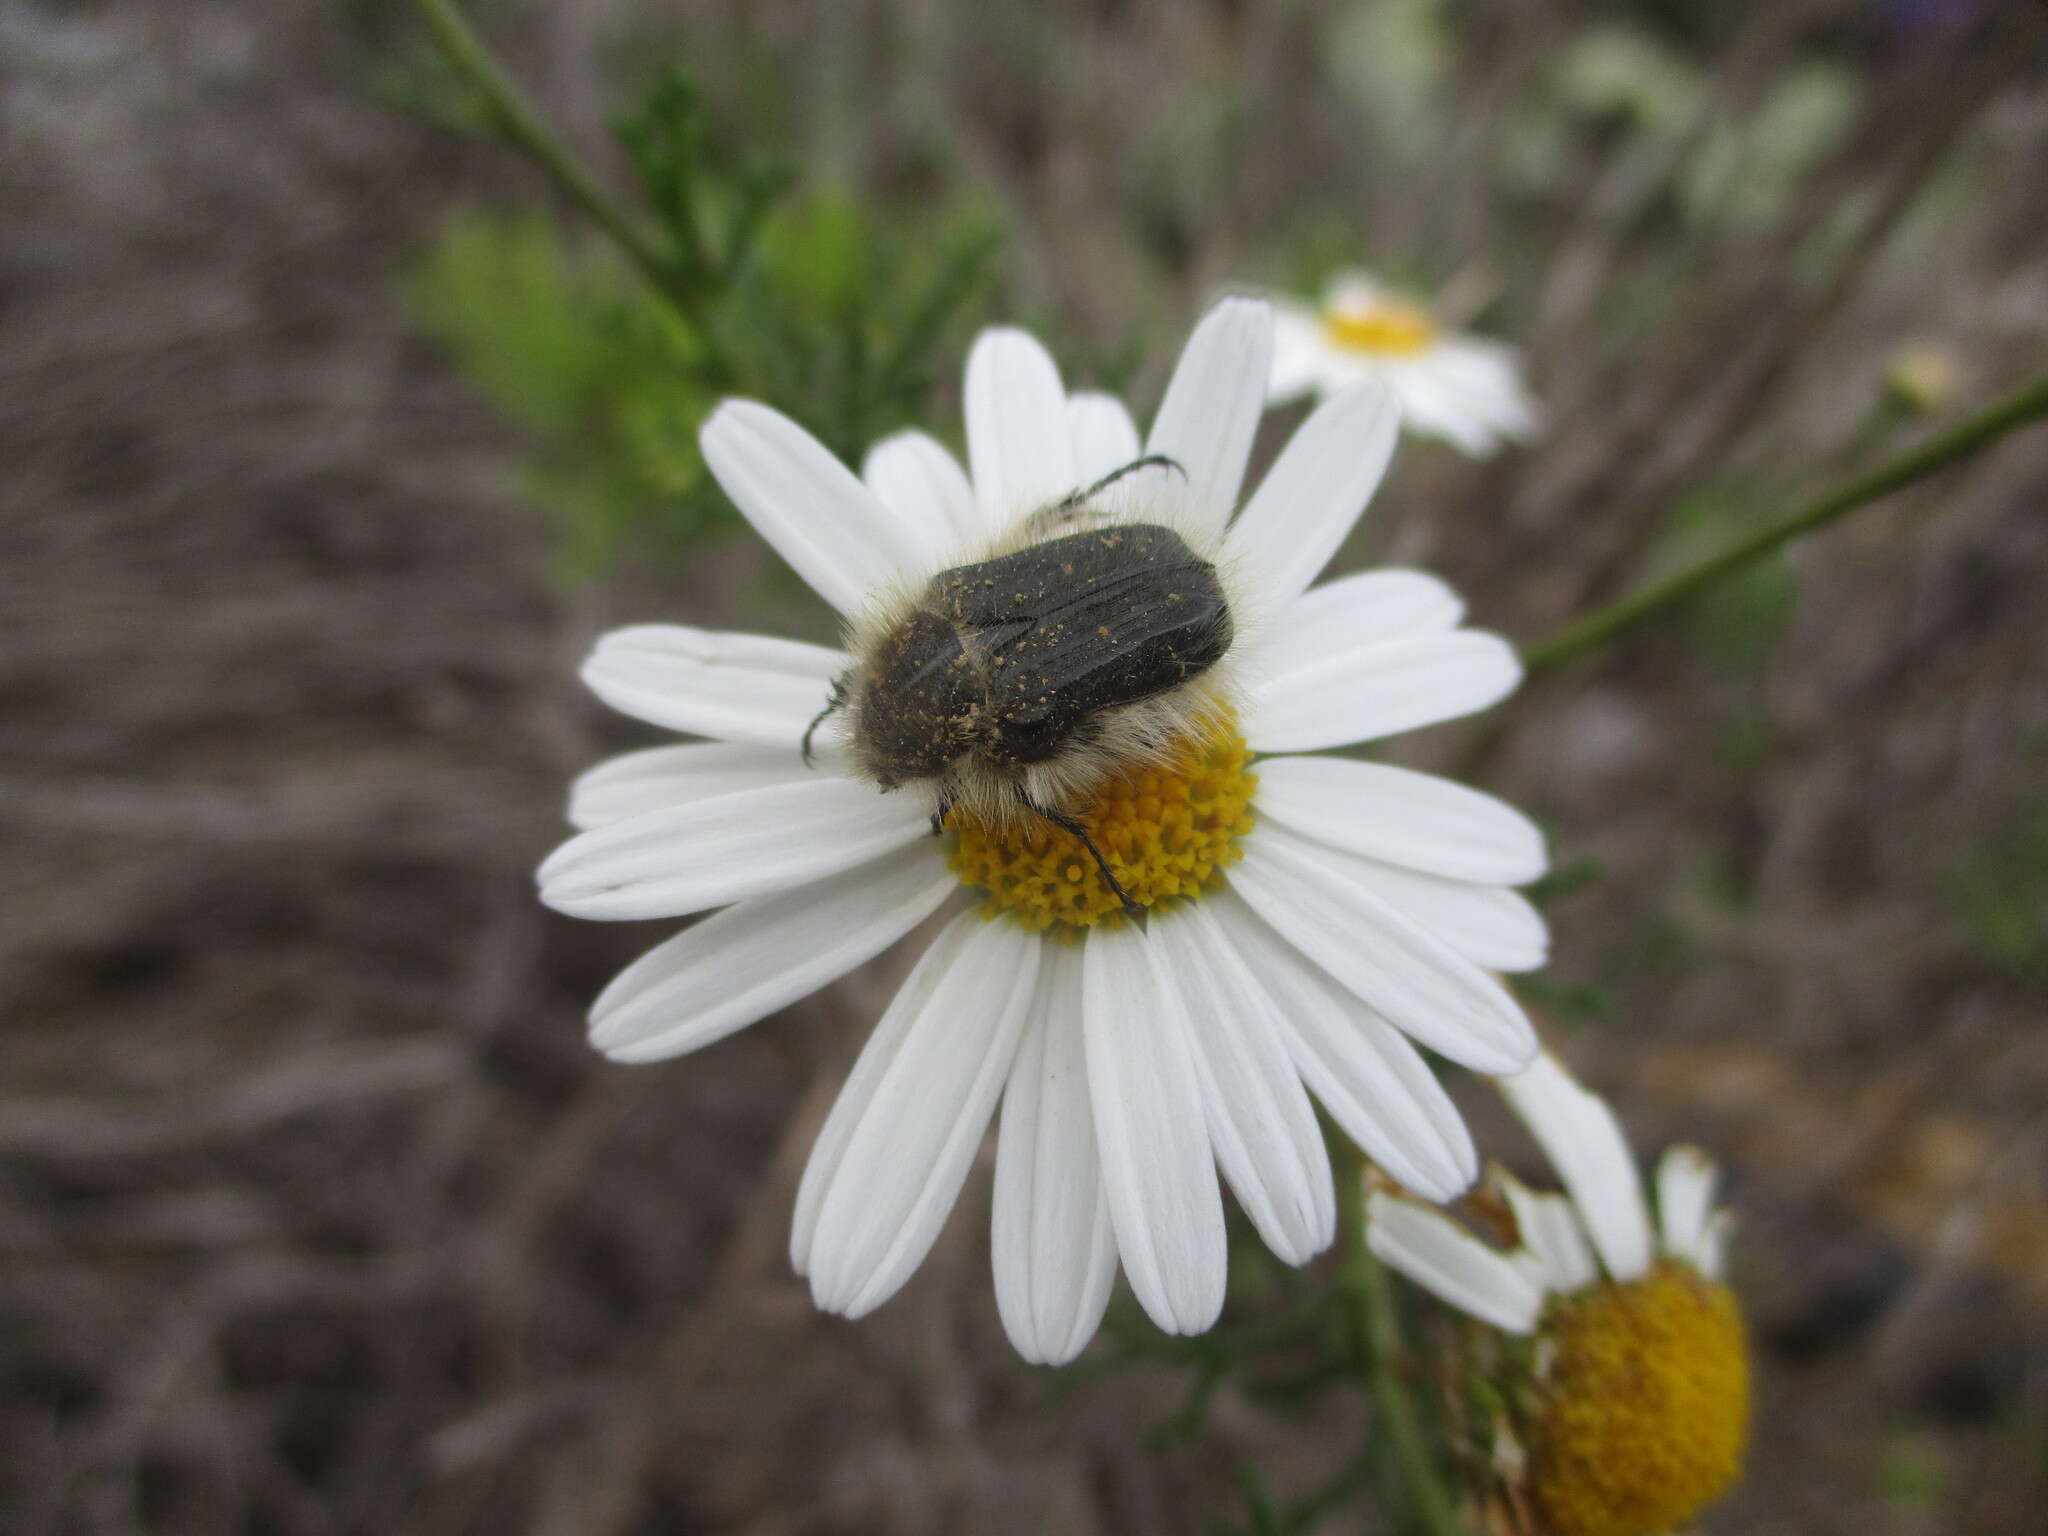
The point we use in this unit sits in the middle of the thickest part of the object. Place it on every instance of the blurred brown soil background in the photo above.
(317, 1214)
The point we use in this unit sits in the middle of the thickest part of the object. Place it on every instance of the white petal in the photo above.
(1477, 405)
(1491, 926)
(1531, 1266)
(1685, 1201)
(747, 688)
(1156, 1164)
(1584, 1142)
(1487, 924)
(1416, 820)
(1261, 1123)
(1338, 369)
(1445, 1259)
(725, 849)
(758, 956)
(1103, 435)
(1375, 1085)
(1390, 964)
(810, 507)
(1432, 409)
(1016, 427)
(1315, 492)
(1299, 353)
(660, 777)
(1352, 289)
(1550, 1232)
(917, 479)
(1212, 407)
(903, 1166)
(1713, 1260)
(937, 967)
(1053, 1250)
(1489, 375)
(1356, 611)
(1381, 690)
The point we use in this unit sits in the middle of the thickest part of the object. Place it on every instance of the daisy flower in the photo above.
(1307, 920)
(1635, 1402)
(1465, 389)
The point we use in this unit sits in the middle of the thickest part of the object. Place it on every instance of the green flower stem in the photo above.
(1383, 1361)
(523, 127)
(2021, 408)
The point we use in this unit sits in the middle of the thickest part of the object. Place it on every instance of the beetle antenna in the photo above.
(1072, 824)
(1148, 461)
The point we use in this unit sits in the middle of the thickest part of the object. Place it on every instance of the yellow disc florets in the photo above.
(1385, 326)
(1165, 828)
(1644, 1407)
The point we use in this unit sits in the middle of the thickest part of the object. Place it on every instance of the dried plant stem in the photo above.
(523, 127)
(2023, 407)
(1383, 1361)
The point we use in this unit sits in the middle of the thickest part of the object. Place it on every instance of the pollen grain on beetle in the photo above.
(1165, 828)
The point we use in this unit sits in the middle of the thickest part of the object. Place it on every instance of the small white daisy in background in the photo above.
(1305, 916)
(1464, 389)
(1634, 1408)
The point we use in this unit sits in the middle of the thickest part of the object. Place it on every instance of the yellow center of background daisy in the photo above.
(1645, 1406)
(1386, 327)
(1165, 828)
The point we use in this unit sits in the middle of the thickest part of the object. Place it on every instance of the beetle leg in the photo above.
(1072, 824)
(835, 700)
(939, 816)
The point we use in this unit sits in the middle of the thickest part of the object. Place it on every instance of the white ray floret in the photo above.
(1585, 1143)
(1053, 1244)
(733, 688)
(1566, 1244)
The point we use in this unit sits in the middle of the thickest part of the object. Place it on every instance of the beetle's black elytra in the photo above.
(1016, 659)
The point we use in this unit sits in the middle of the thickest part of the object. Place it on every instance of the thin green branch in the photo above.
(1384, 1363)
(2021, 408)
(523, 127)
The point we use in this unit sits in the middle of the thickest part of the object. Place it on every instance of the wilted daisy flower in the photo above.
(1462, 388)
(1637, 1409)
(1097, 752)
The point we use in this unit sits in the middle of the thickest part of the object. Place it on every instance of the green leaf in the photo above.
(2000, 893)
(814, 302)
(1747, 173)
(601, 373)
(524, 321)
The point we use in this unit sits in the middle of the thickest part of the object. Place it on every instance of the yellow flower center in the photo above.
(1165, 829)
(1384, 327)
(1644, 1408)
